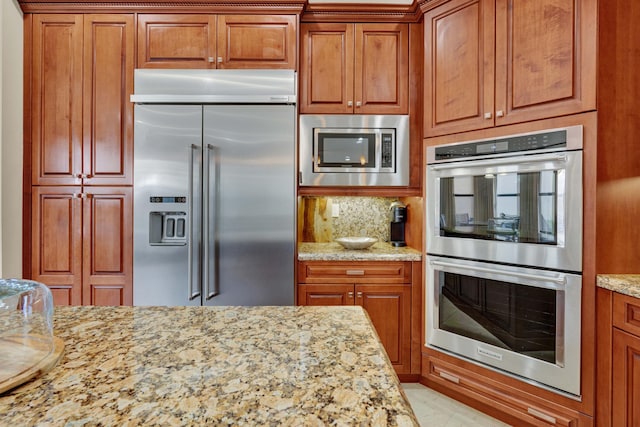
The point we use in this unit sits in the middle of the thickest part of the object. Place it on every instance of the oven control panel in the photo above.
(513, 144)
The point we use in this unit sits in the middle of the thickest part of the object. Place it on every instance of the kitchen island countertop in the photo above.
(168, 366)
(380, 251)
(627, 284)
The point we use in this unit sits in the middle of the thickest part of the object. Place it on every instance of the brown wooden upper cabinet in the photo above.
(217, 41)
(496, 62)
(81, 116)
(81, 228)
(348, 68)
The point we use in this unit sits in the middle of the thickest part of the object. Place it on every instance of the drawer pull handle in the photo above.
(449, 377)
(541, 415)
(355, 272)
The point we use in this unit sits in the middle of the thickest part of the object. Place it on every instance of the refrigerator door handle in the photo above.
(209, 219)
(193, 281)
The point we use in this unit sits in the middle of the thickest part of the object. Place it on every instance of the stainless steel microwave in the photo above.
(353, 150)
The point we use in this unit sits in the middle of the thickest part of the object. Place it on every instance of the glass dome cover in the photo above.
(26, 327)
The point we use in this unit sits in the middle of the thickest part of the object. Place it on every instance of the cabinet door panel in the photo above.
(389, 308)
(626, 379)
(176, 41)
(545, 58)
(62, 295)
(108, 112)
(57, 99)
(57, 241)
(381, 69)
(459, 74)
(107, 246)
(257, 41)
(325, 295)
(326, 68)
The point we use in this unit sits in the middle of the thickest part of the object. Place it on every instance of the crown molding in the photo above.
(159, 6)
(426, 5)
(334, 12)
(315, 12)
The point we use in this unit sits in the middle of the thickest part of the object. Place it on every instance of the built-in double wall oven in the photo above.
(504, 254)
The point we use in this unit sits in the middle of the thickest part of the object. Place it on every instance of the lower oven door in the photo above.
(522, 321)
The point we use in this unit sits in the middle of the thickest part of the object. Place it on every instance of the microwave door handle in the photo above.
(502, 161)
(561, 281)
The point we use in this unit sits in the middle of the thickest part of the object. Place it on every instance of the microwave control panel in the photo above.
(387, 150)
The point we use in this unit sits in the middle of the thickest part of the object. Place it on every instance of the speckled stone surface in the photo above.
(628, 284)
(291, 366)
(380, 251)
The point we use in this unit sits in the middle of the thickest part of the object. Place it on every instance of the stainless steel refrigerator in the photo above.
(214, 187)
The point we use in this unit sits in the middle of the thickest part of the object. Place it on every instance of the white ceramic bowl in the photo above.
(356, 242)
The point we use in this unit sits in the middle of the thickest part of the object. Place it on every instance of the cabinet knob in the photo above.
(499, 113)
(219, 59)
(83, 175)
(349, 103)
(359, 295)
(350, 294)
(358, 104)
(487, 116)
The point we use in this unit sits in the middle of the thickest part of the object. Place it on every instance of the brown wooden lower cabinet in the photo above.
(626, 379)
(82, 244)
(383, 289)
(496, 399)
(618, 359)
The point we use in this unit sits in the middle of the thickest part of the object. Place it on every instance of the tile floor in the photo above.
(437, 410)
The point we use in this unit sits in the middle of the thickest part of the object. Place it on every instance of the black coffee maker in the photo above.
(398, 217)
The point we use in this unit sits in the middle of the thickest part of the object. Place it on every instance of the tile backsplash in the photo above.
(356, 216)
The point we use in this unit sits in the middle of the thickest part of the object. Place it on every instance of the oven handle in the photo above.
(502, 161)
(559, 280)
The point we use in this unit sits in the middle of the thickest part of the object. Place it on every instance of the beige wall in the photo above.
(11, 68)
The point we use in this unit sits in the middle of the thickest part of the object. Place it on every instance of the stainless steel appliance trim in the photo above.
(192, 280)
(213, 99)
(574, 142)
(309, 122)
(166, 86)
(501, 161)
(559, 280)
(562, 378)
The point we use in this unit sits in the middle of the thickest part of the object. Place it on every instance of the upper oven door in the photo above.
(525, 210)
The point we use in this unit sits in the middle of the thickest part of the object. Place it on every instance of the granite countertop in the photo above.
(627, 284)
(171, 366)
(380, 251)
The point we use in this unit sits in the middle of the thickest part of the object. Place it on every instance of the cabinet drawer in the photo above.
(499, 397)
(626, 313)
(354, 272)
